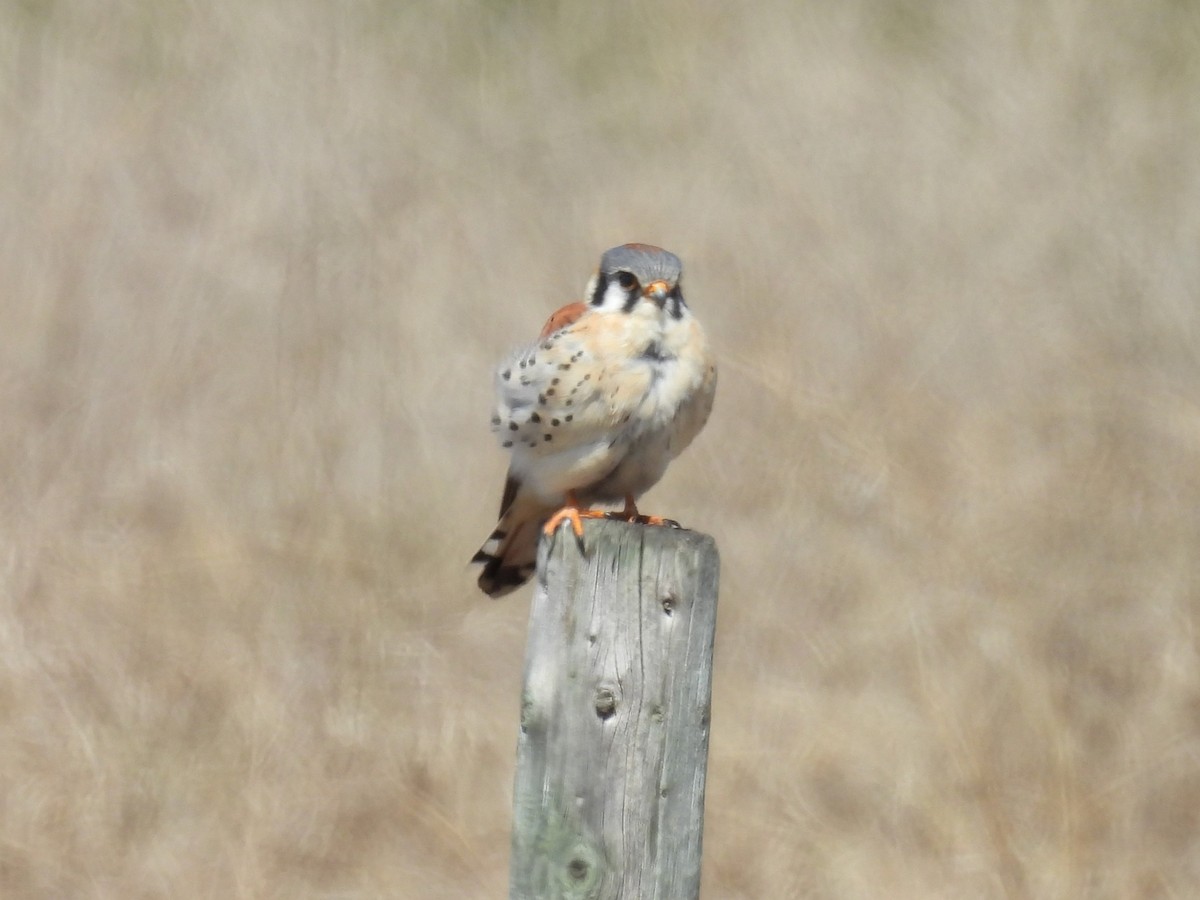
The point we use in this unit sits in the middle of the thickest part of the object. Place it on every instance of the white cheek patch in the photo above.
(615, 297)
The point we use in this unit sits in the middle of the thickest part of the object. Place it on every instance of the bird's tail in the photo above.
(509, 556)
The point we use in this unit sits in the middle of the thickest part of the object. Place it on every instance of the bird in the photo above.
(615, 387)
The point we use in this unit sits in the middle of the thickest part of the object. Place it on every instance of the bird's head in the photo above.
(633, 273)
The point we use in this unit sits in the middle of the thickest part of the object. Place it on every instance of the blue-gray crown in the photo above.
(645, 262)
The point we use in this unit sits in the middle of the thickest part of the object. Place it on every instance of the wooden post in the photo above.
(609, 795)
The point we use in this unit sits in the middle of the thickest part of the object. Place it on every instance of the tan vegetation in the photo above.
(257, 260)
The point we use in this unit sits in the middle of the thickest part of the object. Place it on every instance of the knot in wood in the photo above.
(578, 869)
(606, 702)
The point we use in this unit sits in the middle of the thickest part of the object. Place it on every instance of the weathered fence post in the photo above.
(609, 795)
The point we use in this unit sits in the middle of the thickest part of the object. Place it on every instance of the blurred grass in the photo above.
(257, 262)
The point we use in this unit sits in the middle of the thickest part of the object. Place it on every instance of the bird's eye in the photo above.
(626, 280)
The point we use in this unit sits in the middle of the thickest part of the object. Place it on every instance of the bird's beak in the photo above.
(657, 291)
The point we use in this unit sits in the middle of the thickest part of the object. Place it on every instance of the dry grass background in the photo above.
(257, 260)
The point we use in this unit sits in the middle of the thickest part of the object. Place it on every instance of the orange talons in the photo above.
(630, 514)
(566, 514)
(572, 513)
(658, 520)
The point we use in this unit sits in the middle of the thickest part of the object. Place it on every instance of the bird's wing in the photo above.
(570, 390)
(563, 317)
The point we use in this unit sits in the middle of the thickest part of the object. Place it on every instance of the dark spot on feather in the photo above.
(570, 417)
(495, 420)
(534, 418)
(542, 399)
(546, 437)
(554, 422)
(563, 367)
(554, 380)
(513, 426)
(506, 374)
(506, 444)
(570, 403)
(550, 392)
(587, 377)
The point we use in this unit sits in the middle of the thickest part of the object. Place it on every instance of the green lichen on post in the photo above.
(567, 863)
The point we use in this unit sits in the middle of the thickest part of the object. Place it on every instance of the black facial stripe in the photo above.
(676, 303)
(631, 300)
(601, 286)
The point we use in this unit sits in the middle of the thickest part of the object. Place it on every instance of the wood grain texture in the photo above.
(609, 795)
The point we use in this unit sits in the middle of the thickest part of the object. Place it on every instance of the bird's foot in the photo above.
(630, 514)
(575, 516)
(656, 520)
(573, 513)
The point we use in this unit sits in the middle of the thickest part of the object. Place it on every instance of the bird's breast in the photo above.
(653, 353)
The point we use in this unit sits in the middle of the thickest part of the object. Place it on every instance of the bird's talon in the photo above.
(657, 521)
(566, 514)
(630, 514)
(573, 514)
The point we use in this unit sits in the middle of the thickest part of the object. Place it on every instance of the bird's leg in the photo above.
(573, 513)
(630, 514)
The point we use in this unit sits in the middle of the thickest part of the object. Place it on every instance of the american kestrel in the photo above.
(615, 387)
